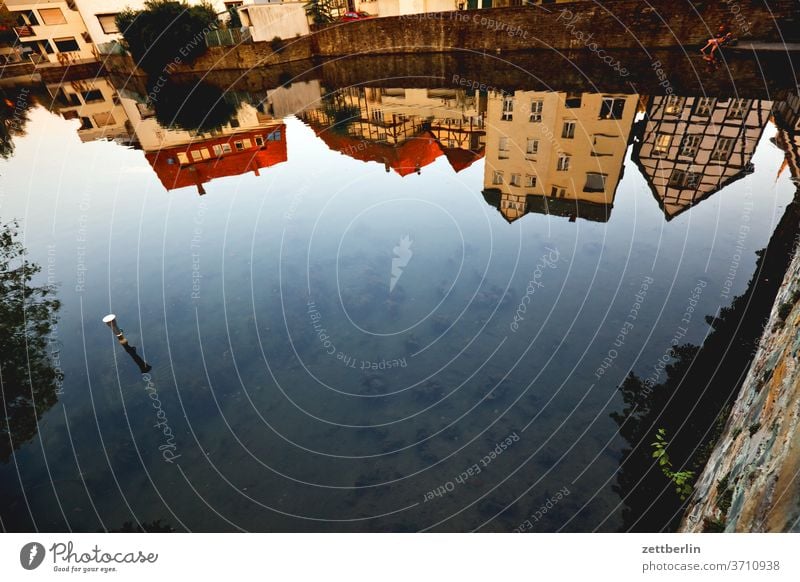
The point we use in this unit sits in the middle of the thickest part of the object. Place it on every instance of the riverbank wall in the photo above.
(751, 482)
(589, 27)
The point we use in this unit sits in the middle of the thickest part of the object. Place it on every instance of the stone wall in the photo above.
(618, 24)
(750, 483)
(587, 27)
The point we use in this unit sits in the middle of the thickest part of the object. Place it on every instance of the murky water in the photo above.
(370, 308)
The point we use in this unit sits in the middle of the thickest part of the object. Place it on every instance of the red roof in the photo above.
(405, 158)
(461, 159)
(174, 174)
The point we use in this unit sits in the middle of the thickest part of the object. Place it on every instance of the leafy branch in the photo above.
(681, 479)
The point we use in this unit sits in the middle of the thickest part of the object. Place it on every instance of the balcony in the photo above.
(24, 31)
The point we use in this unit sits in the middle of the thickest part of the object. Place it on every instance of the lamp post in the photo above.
(111, 321)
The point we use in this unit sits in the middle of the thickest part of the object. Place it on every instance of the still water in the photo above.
(370, 308)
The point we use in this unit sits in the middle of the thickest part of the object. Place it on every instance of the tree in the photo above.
(320, 11)
(192, 106)
(166, 30)
(13, 118)
(28, 380)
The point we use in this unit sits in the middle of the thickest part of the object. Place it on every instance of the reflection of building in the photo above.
(95, 103)
(556, 153)
(249, 142)
(52, 29)
(404, 129)
(787, 120)
(99, 16)
(198, 162)
(692, 147)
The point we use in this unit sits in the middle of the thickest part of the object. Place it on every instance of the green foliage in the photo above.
(681, 479)
(166, 30)
(192, 106)
(320, 11)
(14, 108)
(276, 44)
(724, 495)
(235, 21)
(714, 525)
(27, 319)
(753, 428)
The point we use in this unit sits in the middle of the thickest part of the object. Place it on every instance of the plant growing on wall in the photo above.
(319, 11)
(165, 30)
(681, 479)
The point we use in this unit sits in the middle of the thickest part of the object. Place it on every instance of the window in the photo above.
(682, 179)
(703, 106)
(108, 22)
(247, 144)
(183, 158)
(70, 99)
(86, 123)
(690, 144)
(92, 96)
(536, 111)
(612, 108)
(563, 163)
(673, 105)
(104, 119)
(663, 141)
(196, 155)
(234, 123)
(70, 115)
(217, 150)
(26, 18)
(51, 16)
(738, 108)
(595, 182)
(558, 192)
(568, 131)
(66, 45)
(722, 149)
(515, 180)
(260, 141)
(572, 100)
(497, 178)
(274, 136)
(530, 181)
(238, 145)
(502, 148)
(533, 146)
(508, 108)
(226, 148)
